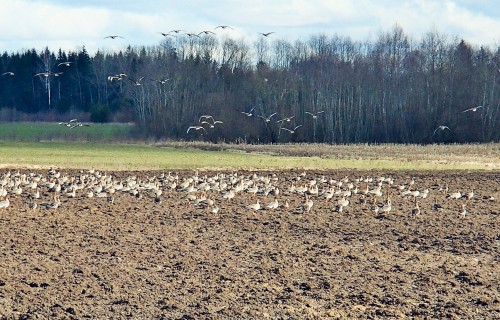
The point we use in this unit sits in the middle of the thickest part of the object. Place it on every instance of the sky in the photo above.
(71, 24)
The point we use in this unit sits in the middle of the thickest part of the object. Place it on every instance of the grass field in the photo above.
(43, 131)
(191, 156)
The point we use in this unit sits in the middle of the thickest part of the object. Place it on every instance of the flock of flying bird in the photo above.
(296, 193)
(211, 122)
(207, 119)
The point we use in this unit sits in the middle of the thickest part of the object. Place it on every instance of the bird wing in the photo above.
(309, 113)
(297, 127)
(286, 129)
(206, 117)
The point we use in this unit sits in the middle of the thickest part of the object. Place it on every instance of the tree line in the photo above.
(332, 89)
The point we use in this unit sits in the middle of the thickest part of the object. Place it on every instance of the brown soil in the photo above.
(174, 260)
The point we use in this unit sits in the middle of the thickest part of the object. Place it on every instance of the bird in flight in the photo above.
(113, 37)
(442, 128)
(210, 124)
(224, 27)
(162, 81)
(291, 130)
(117, 77)
(175, 31)
(70, 123)
(47, 74)
(267, 119)
(192, 35)
(195, 128)
(8, 73)
(66, 63)
(138, 82)
(265, 34)
(249, 113)
(287, 119)
(315, 115)
(473, 109)
(166, 34)
(206, 32)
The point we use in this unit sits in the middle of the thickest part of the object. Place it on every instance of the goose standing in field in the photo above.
(463, 211)
(255, 206)
(387, 207)
(416, 210)
(32, 205)
(455, 195)
(215, 209)
(4, 204)
(273, 204)
(229, 195)
(470, 195)
(342, 203)
(54, 204)
(307, 205)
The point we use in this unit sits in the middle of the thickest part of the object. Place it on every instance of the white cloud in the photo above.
(71, 24)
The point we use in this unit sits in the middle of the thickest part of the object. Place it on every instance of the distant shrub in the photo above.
(99, 113)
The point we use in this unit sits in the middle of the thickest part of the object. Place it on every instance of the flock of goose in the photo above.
(211, 122)
(294, 193)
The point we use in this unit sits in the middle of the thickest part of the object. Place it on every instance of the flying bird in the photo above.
(166, 34)
(224, 27)
(162, 81)
(175, 31)
(473, 109)
(249, 113)
(315, 115)
(206, 32)
(66, 63)
(8, 73)
(267, 119)
(192, 35)
(291, 130)
(138, 82)
(442, 128)
(113, 37)
(287, 119)
(196, 128)
(266, 33)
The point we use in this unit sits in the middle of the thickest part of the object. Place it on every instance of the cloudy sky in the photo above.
(70, 24)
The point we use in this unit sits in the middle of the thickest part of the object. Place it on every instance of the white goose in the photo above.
(255, 206)
(4, 204)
